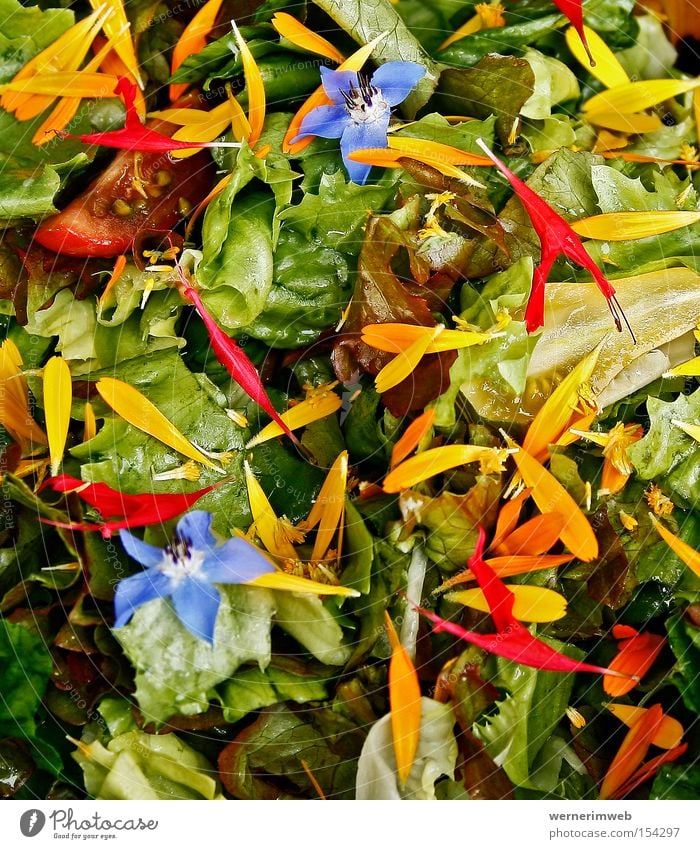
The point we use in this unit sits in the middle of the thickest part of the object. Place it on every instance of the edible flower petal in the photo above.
(670, 731)
(404, 702)
(15, 415)
(185, 571)
(511, 639)
(119, 509)
(412, 436)
(433, 462)
(636, 654)
(118, 30)
(232, 357)
(58, 395)
(620, 226)
(293, 30)
(255, 87)
(637, 96)
(597, 58)
(360, 109)
(687, 553)
(531, 603)
(556, 237)
(319, 403)
(136, 409)
(192, 40)
(488, 16)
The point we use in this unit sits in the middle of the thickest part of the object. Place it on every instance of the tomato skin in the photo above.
(137, 191)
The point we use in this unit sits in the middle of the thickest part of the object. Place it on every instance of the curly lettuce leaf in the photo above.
(666, 452)
(526, 718)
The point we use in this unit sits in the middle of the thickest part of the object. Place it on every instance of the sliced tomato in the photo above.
(137, 191)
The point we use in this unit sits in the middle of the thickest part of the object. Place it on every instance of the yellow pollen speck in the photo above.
(629, 523)
(661, 504)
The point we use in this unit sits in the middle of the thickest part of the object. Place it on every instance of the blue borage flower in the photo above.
(185, 571)
(361, 109)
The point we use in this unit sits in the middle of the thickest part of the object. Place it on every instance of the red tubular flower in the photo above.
(556, 237)
(119, 509)
(232, 357)
(574, 12)
(637, 652)
(512, 639)
(135, 135)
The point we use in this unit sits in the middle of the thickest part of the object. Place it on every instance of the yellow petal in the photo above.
(328, 511)
(404, 702)
(136, 409)
(59, 119)
(607, 66)
(15, 415)
(255, 87)
(619, 226)
(692, 430)
(293, 30)
(395, 337)
(470, 26)
(551, 497)
(434, 462)
(313, 409)
(118, 29)
(58, 394)
(412, 437)
(192, 40)
(620, 123)
(532, 604)
(637, 96)
(405, 362)
(265, 519)
(670, 731)
(319, 97)
(687, 554)
(183, 116)
(296, 584)
(90, 422)
(691, 368)
(73, 83)
(554, 415)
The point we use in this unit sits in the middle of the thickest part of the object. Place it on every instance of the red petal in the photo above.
(515, 643)
(498, 597)
(234, 359)
(134, 135)
(574, 12)
(556, 237)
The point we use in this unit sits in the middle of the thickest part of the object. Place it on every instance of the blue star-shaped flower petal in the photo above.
(361, 109)
(185, 571)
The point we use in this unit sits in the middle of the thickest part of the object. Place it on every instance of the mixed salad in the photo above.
(349, 400)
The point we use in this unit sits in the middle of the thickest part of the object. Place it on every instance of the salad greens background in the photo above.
(293, 678)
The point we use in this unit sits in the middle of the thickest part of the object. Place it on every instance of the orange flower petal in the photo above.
(534, 537)
(687, 554)
(632, 751)
(511, 565)
(192, 40)
(406, 362)
(551, 497)
(118, 29)
(670, 731)
(508, 517)
(405, 704)
(637, 652)
(293, 30)
(412, 436)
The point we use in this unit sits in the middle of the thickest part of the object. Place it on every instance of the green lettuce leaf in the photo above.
(436, 756)
(676, 781)
(666, 452)
(26, 31)
(26, 665)
(176, 672)
(311, 623)
(554, 83)
(526, 718)
(684, 640)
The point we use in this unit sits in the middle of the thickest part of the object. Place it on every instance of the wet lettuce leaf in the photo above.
(311, 623)
(436, 756)
(176, 672)
(263, 761)
(684, 640)
(139, 766)
(676, 781)
(26, 665)
(527, 718)
(666, 453)
(251, 689)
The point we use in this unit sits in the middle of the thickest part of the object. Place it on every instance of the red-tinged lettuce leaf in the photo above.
(381, 296)
(276, 743)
